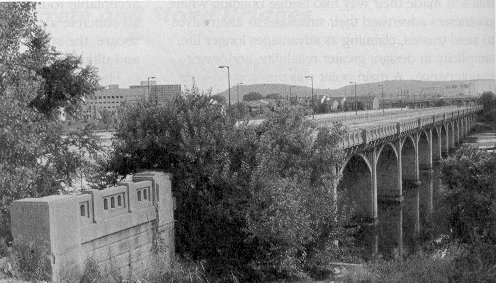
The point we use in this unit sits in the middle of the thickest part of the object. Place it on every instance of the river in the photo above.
(401, 228)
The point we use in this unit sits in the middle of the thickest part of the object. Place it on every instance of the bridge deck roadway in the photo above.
(375, 120)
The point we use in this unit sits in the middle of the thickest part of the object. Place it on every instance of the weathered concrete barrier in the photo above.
(119, 227)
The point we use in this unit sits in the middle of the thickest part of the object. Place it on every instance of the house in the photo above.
(367, 102)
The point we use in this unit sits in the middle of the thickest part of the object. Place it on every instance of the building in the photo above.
(370, 102)
(109, 100)
(158, 94)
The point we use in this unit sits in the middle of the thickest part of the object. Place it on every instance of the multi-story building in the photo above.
(110, 99)
(158, 94)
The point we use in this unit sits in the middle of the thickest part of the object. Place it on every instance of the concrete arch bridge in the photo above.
(385, 152)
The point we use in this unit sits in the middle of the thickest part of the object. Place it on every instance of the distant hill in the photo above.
(391, 89)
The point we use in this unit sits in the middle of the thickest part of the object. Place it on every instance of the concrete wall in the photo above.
(120, 227)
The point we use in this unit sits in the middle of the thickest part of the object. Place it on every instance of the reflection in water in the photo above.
(401, 227)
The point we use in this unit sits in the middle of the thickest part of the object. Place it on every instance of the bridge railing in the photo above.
(361, 136)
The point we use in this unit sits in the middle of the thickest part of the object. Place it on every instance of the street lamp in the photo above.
(148, 91)
(356, 107)
(228, 82)
(310, 77)
(382, 86)
(237, 90)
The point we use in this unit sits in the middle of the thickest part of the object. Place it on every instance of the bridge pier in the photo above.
(389, 173)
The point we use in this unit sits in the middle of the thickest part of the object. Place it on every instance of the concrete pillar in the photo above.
(51, 224)
(429, 148)
(417, 211)
(373, 189)
(400, 170)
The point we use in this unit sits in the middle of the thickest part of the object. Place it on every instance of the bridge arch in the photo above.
(356, 184)
(388, 170)
(444, 139)
(456, 132)
(409, 160)
(425, 149)
(436, 144)
(451, 135)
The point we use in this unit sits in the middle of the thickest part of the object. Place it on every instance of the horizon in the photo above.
(276, 42)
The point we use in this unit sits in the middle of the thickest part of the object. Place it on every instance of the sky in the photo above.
(335, 41)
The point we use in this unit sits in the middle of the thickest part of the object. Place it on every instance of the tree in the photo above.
(273, 96)
(35, 160)
(488, 100)
(258, 199)
(252, 96)
(471, 181)
(64, 85)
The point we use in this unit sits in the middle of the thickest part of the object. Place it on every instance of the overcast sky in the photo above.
(277, 41)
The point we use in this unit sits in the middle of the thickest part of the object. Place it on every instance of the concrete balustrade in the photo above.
(119, 227)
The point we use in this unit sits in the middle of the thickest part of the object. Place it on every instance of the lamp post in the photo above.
(382, 92)
(356, 107)
(148, 88)
(237, 90)
(228, 83)
(311, 78)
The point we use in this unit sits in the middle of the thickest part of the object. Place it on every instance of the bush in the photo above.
(471, 182)
(30, 262)
(254, 202)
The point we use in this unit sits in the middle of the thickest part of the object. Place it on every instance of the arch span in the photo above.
(444, 140)
(425, 150)
(436, 144)
(356, 185)
(409, 162)
(388, 173)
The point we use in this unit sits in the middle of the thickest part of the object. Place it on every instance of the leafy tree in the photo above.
(258, 199)
(488, 100)
(252, 96)
(273, 96)
(64, 85)
(440, 102)
(106, 117)
(471, 181)
(35, 160)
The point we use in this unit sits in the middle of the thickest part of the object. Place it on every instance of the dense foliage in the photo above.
(471, 180)
(252, 96)
(34, 158)
(256, 200)
(471, 197)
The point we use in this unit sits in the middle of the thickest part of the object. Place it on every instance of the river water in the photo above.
(401, 228)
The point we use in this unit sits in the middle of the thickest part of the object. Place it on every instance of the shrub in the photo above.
(254, 202)
(30, 261)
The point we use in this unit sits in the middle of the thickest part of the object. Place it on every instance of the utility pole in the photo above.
(382, 92)
(228, 83)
